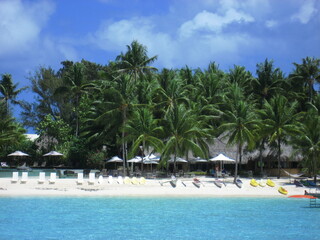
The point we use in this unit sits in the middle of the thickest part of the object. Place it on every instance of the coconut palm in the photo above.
(135, 61)
(239, 127)
(184, 133)
(9, 91)
(307, 73)
(143, 130)
(279, 121)
(309, 141)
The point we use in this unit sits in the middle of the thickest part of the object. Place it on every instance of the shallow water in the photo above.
(158, 218)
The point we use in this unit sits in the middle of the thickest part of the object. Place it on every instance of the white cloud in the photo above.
(213, 23)
(271, 23)
(21, 24)
(306, 12)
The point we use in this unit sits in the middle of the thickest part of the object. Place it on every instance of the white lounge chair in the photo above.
(24, 177)
(100, 179)
(80, 179)
(42, 177)
(120, 180)
(92, 179)
(53, 178)
(110, 179)
(15, 177)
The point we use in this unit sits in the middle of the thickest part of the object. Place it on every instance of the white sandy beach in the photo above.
(152, 188)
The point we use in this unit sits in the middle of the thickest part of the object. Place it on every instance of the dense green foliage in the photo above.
(91, 112)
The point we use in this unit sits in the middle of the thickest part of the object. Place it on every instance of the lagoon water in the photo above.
(158, 218)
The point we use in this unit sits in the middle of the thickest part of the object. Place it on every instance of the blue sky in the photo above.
(181, 32)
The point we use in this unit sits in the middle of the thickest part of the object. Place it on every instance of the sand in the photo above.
(152, 188)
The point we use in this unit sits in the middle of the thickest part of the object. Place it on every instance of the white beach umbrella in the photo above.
(53, 153)
(136, 159)
(222, 158)
(151, 157)
(18, 154)
(178, 160)
(115, 159)
(199, 160)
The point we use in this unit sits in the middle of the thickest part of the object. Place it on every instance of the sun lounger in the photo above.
(100, 179)
(42, 177)
(24, 177)
(15, 177)
(120, 180)
(127, 180)
(53, 177)
(80, 179)
(92, 179)
(4, 165)
(110, 179)
(35, 164)
(134, 181)
(142, 181)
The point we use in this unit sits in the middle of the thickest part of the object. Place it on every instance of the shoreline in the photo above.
(152, 188)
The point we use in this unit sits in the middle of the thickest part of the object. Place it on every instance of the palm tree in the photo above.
(9, 91)
(279, 121)
(308, 72)
(76, 86)
(184, 132)
(309, 141)
(239, 127)
(145, 130)
(135, 61)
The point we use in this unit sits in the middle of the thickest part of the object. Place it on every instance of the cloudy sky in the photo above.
(181, 32)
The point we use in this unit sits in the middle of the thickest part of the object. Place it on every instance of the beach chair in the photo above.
(4, 165)
(126, 180)
(142, 181)
(110, 179)
(15, 177)
(24, 177)
(100, 179)
(134, 181)
(35, 164)
(42, 177)
(92, 178)
(53, 177)
(44, 164)
(80, 179)
(120, 180)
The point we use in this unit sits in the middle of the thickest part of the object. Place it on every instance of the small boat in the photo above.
(196, 182)
(282, 191)
(218, 183)
(254, 183)
(298, 183)
(239, 183)
(173, 182)
(270, 183)
(302, 196)
(308, 183)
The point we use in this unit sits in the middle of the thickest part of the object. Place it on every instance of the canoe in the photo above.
(173, 182)
(270, 183)
(302, 196)
(218, 183)
(239, 183)
(196, 182)
(282, 191)
(254, 183)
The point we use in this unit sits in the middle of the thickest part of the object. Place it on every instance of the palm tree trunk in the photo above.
(314, 167)
(236, 167)
(124, 143)
(279, 154)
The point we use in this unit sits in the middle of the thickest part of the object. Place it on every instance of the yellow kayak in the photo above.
(127, 180)
(254, 183)
(282, 191)
(134, 181)
(270, 183)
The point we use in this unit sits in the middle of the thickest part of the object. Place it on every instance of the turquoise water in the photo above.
(158, 218)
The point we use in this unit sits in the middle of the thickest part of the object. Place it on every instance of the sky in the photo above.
(36, 33)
